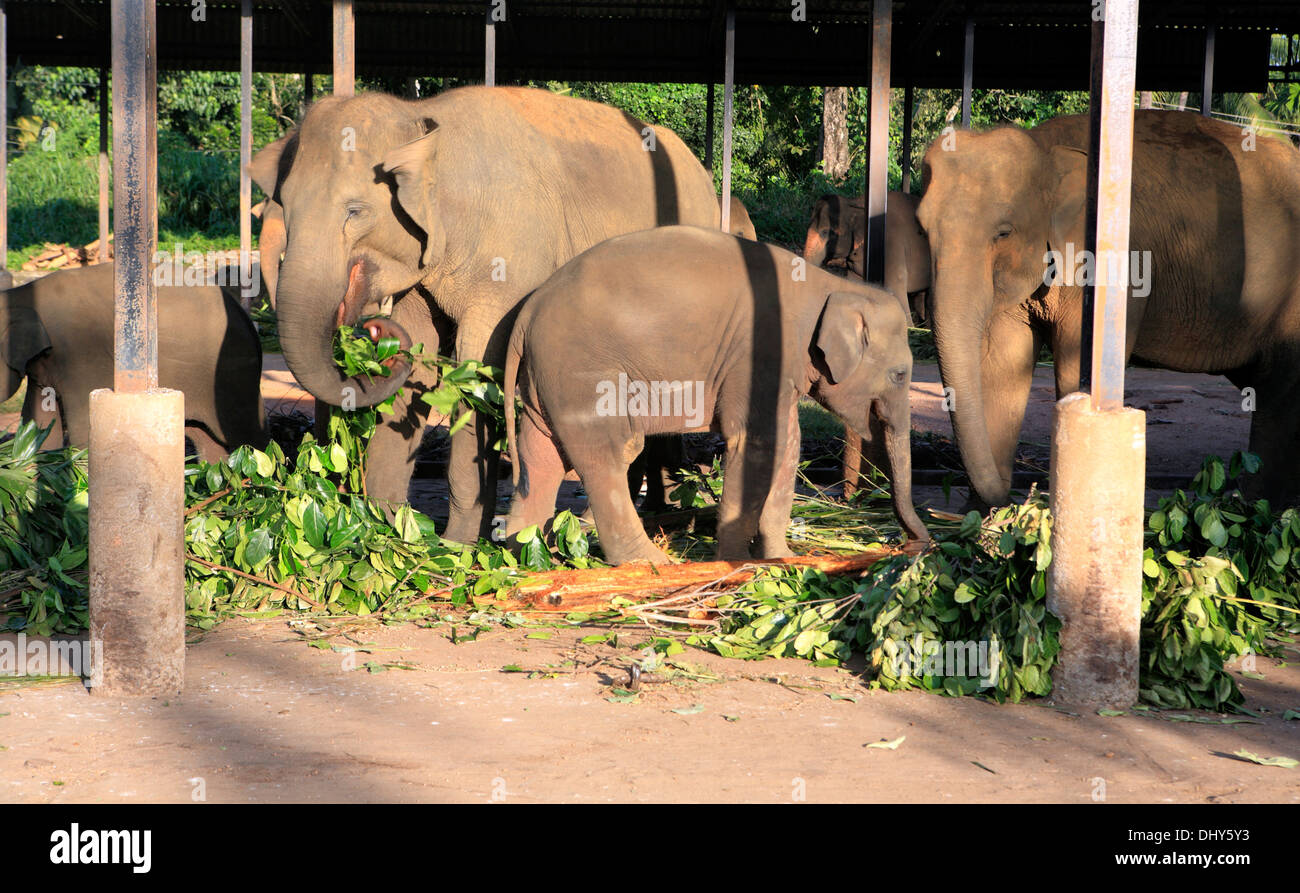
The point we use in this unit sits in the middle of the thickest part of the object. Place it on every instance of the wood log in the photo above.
(563, 591)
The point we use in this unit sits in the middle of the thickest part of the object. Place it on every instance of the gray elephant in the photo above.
(613, 349)
(58, 333)
(1215, 286)
(741, 225)
(837, 234)
(460, 205)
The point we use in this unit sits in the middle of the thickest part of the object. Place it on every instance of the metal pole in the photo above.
(137, 456)
(708, 137)
(968, 72)
(245, 149)
(1099, 446)
(728, 89)
(105, 173)
(877, 188)
(135, 192)
(490, 48)
(878, 141)
(4, 137)
(345, 48)
(906, 160)
(1207, 73)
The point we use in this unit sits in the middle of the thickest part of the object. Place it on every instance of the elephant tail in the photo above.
(514, 356)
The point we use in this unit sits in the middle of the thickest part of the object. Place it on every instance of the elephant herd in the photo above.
(579, 249)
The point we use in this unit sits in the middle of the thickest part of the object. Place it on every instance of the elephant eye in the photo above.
(1004, 230)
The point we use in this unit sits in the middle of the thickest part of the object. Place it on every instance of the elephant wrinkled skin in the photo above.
(58, 332)
(472, 198)
(729, 341)
(1215, 225)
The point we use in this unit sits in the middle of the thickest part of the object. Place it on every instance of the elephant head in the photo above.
(22, 339)
(354, 183)
(864, 366)
(836, 232)
(995, 205)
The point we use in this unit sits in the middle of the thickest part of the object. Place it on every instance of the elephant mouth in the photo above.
(377, 327)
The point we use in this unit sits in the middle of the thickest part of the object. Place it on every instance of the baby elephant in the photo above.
(680, 329)
(57, 332)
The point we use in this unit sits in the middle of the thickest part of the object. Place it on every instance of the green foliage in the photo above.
(43, 535)
(1222, 575)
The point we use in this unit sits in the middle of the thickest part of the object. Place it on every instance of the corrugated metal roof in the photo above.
(1018, 44)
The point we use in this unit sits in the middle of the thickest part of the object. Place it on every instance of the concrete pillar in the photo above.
(1098, 481)
(137, 541)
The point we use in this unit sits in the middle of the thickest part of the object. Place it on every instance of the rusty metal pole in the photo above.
(967, 73)
(1207, 71)
(137, 454)
(728, 96)
(490, 45)
(105, 173)
(245, 154)
(4, 137)
(1099, 446)
(345, 49)
(875, 200)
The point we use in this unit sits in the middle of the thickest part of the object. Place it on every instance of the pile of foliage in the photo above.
(265, 533)
(1221, 581)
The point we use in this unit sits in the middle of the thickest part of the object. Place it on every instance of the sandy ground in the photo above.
(266, 718)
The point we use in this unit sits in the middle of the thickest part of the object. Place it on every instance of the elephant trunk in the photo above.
(898, 449)
(308, 314)
(814, 248)
(960, 314)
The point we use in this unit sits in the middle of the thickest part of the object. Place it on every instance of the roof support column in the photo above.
(137, 456)
(4, 136)
(245, 152)
(345, 49)
(1099, 446)
(967, 72)
(728, 95)
(490, 42)
(104, 171)
(1207, 72)
(877, 188)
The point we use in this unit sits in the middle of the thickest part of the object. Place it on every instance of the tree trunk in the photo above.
(835, 133)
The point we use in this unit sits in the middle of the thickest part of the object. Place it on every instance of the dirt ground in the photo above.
(266, 718)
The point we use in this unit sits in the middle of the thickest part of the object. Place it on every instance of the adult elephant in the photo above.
(1216, 219)
(837, 232)
(472, 198)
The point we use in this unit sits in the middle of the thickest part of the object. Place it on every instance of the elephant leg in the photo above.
(639, 472)
(775, 519)
(604, 475)
(207, 447)
(1007, 375)
(742, 497)
(391, 453)
(472, 469)
(541, 471)
(1274, 434)
(75, 405)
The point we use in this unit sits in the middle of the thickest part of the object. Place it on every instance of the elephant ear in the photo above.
(1067, 198)
(842, 333)
(411, 166)
(23, 340)
(271, 164)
